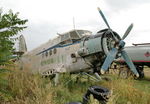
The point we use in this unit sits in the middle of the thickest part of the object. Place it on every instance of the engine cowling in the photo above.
(102, 42)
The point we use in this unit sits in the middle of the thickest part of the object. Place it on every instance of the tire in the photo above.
(140, 71)
(123, 74)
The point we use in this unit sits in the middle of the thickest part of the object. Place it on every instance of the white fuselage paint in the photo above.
(50, 58)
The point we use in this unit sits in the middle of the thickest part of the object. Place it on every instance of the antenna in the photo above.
(73, 23)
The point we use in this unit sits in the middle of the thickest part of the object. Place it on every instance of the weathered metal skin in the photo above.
(91, 53)
(78, 50)
(55, 56)
(102, 42)
(93, 49)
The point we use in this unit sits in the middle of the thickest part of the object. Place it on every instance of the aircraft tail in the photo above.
(22, 44)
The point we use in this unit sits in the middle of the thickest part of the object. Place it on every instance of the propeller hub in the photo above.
(121, 44)
(109, 42)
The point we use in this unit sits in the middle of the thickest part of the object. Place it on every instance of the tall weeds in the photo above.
(22, 87)
(26, 88)
(127, 91)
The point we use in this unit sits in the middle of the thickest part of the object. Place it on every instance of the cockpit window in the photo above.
(65, 37)
(83, 32)
(74, 35)
(80, 32)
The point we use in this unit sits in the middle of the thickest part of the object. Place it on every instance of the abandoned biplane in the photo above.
(79, 51)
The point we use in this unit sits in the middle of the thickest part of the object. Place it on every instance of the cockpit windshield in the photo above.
(73, 36)
(83, 32)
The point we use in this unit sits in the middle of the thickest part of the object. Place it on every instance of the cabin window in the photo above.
(55, 51)
(73, 55)
(46, 53)
(50, 52)
(42, 55)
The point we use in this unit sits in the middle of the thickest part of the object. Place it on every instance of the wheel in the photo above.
(123, 74)
(140, 71)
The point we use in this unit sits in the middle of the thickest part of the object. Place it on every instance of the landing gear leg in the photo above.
(56, 80)
(97, 76)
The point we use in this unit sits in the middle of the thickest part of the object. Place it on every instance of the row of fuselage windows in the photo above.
(49, 53)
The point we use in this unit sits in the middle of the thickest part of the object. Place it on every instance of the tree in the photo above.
(10, 25)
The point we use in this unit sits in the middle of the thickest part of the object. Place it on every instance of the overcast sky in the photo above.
(49, 17)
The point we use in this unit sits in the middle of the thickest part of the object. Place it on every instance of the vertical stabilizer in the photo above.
(22, 44)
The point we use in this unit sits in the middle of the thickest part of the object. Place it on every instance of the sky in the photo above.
(46, 18)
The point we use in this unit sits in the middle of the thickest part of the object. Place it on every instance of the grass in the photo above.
(22, 87)
(25, 88)
(136, 92)
(124, 91)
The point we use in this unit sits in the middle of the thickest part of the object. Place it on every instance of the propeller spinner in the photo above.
(119, 48)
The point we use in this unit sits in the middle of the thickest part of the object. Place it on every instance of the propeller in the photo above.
(101, 13)
(119, 48)
(127, 31)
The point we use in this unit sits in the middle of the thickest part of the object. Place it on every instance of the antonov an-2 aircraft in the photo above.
(78, 51)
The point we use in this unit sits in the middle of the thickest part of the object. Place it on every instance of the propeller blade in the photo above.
(129, 62)
(109, 59)
(101, 13)
(127, 31)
